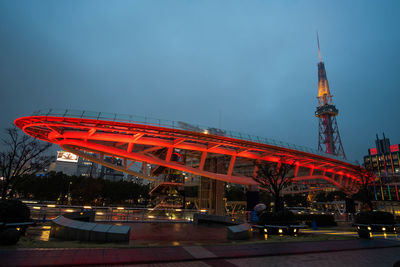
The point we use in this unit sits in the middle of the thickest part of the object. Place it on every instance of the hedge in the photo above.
(320, 219)
(374, 217)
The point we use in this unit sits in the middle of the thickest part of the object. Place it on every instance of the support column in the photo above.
(218, 194)
(252, 197)
(211, 195)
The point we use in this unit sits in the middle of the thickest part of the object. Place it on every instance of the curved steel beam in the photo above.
(120, 139)
(104, 163)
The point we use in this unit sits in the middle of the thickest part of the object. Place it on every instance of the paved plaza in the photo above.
(356, 252)
(365, 258)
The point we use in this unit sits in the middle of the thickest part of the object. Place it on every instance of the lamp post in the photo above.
(69, 193)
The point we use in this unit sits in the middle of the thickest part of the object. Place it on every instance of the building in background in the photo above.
(111, 174)
(71, 164)
(87, 168)
(383, 160)
(66, 162)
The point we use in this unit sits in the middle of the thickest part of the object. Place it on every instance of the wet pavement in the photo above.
(325, 253)
(157, 233)
(176, 233)
(185, 244)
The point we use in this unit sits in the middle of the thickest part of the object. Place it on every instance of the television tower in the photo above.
(329, 138)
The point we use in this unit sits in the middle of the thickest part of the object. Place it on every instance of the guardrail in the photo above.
(177, 125)
(117, 214)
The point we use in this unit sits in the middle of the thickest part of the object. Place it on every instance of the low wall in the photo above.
(84, 216)
(68, 229)
(207, 218)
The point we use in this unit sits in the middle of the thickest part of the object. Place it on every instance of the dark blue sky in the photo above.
(255, 62)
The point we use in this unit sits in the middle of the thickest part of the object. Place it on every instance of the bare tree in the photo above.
(366, 178)
(20, 155)
(274, 177)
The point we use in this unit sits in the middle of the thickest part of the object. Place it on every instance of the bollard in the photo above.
(314, 225)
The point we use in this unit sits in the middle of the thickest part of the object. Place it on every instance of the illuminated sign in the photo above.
(373, 151)
(66, 156)
(394, 148)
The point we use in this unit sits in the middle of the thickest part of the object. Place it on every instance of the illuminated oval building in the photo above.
(180, 152)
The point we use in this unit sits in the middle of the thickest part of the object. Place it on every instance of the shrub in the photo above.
(320, 219)
(14, 211)
(285, 217)
(9, 236)
(374, 217)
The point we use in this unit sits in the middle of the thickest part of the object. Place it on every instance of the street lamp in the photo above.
(69, 193)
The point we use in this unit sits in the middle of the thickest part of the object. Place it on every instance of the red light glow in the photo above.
(137, 142)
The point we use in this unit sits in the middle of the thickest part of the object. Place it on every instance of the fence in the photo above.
(118, 214)
(177, 125)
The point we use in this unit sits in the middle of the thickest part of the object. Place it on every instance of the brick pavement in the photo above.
(222, 255)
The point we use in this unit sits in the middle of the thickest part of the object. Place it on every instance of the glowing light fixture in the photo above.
(280, 231)
(51, 206)
(369, 228)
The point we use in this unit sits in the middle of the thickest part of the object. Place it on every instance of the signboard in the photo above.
(394, 148)
(373, 151)
(66, 156)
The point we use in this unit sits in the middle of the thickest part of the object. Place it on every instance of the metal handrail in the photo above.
(176, 125)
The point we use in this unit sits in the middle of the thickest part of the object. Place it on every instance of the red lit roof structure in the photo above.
(141, 139)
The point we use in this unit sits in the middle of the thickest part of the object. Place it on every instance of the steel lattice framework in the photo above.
(328, 132)
(133, 141)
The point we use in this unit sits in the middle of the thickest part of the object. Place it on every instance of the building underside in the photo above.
(176, 146)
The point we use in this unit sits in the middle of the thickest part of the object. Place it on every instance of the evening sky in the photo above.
(249, 66)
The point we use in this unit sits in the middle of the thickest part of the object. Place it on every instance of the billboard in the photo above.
(66, 156)
(394, 148)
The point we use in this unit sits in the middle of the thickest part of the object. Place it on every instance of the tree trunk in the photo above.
(4, 189)
(367, 199)
(278, 203)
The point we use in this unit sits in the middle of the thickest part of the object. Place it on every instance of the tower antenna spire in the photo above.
(329, 138)
(319, 50)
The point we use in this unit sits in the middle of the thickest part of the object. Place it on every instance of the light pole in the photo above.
(69, 193)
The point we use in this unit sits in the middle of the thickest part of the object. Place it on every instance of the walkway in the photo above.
(223, 255)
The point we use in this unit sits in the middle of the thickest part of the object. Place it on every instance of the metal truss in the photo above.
(329, 137)
(135, 142)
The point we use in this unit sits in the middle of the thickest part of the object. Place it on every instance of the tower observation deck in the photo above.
(329, 138)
